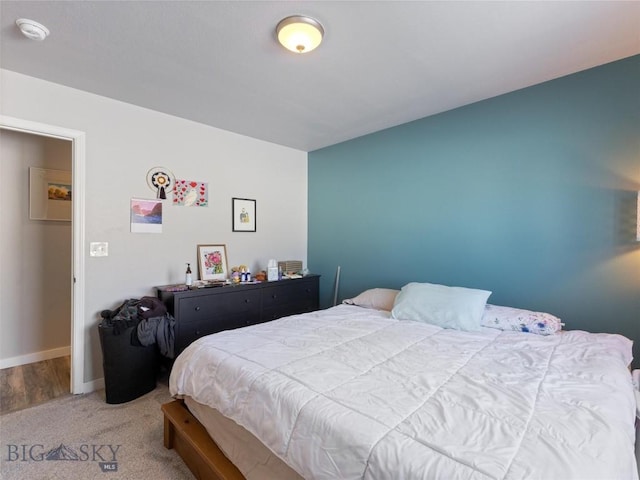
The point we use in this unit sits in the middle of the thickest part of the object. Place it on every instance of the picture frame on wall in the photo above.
(243, 211)
(50, 194)
(212, 262)
(146, 215)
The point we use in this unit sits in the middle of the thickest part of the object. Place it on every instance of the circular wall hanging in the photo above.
(161, 181)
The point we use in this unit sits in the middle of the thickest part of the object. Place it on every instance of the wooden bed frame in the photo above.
(184, 433)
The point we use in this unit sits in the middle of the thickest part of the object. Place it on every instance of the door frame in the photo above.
(78, 152)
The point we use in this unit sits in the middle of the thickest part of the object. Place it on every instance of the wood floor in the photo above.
(27, 385)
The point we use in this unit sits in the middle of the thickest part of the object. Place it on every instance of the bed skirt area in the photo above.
(184, 433)
(228, 451)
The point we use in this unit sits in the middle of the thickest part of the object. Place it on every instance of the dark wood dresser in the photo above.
(203, 311)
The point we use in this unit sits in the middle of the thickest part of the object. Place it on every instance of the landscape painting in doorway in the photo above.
(49, 194)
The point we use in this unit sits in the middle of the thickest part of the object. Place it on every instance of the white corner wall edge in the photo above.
(78, 254)
(638, 219)
(35, 357)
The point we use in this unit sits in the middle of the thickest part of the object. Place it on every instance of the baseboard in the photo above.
(34, 357)
(93, 385)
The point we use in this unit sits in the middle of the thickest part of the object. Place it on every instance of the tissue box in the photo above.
(272, 274)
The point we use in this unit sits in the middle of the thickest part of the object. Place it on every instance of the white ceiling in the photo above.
(382, 63)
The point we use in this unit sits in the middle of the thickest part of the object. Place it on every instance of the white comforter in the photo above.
(347, 393)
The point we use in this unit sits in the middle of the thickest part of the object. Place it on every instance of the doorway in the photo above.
(77, 139)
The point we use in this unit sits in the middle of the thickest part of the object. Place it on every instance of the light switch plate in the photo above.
(99, 249)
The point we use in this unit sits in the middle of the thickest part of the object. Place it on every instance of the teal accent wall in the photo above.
(531, 195)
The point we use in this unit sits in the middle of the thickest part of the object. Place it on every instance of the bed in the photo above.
(351, 392)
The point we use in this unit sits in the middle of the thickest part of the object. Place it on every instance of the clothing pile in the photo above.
(152, 321)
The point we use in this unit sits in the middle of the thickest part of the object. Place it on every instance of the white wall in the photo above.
(35, 278)
(122, 143)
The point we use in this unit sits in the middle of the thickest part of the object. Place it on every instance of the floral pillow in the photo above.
(507, 318)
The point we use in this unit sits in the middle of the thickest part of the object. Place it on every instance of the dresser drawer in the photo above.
(188, 332)
(203, 307)
(195, 309)
(298, 292)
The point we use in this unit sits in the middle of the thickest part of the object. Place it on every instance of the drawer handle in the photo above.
(197, 309)
(198, 333)
(246, 300)
(274, 296)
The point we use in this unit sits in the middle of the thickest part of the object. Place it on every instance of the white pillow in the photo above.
(507, 318)
(378, 298)
(458, 308)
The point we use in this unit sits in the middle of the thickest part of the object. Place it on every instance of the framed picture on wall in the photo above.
(212, 262)
(243, 211)
(49, 194)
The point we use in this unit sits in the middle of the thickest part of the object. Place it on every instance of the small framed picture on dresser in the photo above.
(243, 211)
(212, 262)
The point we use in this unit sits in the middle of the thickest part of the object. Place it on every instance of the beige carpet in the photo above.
(82, 437)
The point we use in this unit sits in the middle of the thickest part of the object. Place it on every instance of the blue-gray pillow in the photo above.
(457, 308)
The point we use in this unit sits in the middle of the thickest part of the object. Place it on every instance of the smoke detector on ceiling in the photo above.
(32, 30)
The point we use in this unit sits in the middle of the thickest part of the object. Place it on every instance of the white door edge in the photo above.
(78, 236)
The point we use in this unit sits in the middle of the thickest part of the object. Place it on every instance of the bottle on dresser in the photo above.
(188, 280)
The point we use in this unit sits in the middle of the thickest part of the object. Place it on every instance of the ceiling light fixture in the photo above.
(299, 34)
(32, 30)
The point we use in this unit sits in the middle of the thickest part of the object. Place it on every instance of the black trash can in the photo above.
(130, 370)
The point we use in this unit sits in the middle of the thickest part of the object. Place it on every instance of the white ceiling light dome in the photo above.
(299, 34)
(32, 29)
